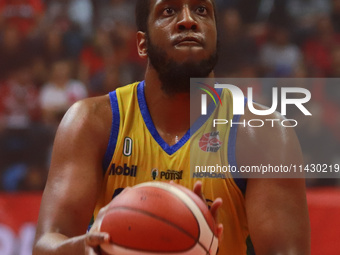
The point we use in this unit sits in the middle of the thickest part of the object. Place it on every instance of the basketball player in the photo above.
(140, 133)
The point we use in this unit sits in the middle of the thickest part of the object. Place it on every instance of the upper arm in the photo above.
(75, 174)
(276, 207)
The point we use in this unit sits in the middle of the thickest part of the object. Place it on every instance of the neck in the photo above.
(170, 113)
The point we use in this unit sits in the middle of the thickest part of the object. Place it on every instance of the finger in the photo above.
(103, 210)
(198, 189)
(219, 231)
(96, 239)
(214, 207)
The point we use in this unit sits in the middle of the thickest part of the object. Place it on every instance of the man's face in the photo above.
(181, 41)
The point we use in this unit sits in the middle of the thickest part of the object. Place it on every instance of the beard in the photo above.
(174, 76)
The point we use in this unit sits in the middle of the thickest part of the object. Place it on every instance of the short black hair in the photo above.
(143, 11)
(142, 15)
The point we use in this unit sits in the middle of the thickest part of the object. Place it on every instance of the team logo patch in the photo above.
(210, 142)
(166, 175)
(154, 173)
(123, 170)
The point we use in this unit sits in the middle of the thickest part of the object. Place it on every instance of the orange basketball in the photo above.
(159, 218)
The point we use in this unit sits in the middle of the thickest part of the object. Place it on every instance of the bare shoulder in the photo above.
(91, 111)
(90, 117)
(267, 139)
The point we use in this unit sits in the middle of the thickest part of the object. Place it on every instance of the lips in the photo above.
(188, 40)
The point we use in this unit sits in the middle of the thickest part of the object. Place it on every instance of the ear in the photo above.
(141, 45)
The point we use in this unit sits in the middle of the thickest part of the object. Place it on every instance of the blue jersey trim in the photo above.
(150, 125)
(239, 180)
(114, 130)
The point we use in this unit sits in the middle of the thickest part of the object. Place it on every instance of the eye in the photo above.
(168, 11)
(202, 10)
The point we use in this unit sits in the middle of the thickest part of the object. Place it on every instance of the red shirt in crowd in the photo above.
(23, 14)
(19, 104)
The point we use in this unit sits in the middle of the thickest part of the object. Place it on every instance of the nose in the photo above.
(186, 21)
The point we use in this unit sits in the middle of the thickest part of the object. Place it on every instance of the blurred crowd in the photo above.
(56, 52)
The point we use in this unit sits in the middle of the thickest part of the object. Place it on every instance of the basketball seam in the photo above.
(171, 190)
(163, 220)
(199, 229)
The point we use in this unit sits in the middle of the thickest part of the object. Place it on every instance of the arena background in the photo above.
(55, 52)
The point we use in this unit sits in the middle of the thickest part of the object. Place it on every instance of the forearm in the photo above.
(55, 243)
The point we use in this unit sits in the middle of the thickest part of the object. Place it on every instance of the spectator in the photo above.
(117, 11)
(13, 50)
(317, 50)
(25, 15)
(335, 62)
(24, 177)
(19, 104)
(335, 15)
(249, 10)
(107, 58)
(48, 49)
(19, 117)
(92, 57)
(81, 13)
(52, 47)
(60, 92)
(59, 16)
(279, 57)
(303, 14)
(238, 55)
(332, 107)
(74, 16)
(117, 17)
(306, 12)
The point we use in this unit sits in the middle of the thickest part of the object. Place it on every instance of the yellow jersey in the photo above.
(136, 153)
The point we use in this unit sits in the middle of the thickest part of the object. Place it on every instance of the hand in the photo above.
(94, 238)
(213, 209)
